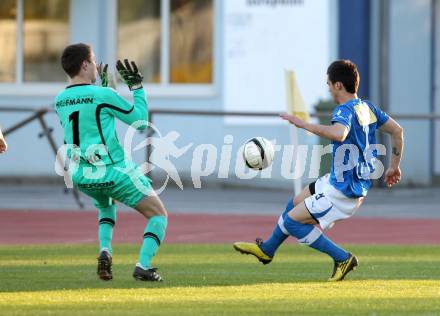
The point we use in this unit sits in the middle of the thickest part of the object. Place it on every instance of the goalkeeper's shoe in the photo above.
(253, 249)
(105, 266)
(341, 269)
(150, 274)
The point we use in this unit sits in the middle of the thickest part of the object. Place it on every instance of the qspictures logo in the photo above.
(211, 160)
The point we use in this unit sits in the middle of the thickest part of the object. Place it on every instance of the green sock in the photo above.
(154, 234)
(107, 219)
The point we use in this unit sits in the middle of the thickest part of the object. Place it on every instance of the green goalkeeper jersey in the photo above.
(87, 114)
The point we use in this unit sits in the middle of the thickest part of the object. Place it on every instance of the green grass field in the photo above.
(216, 280)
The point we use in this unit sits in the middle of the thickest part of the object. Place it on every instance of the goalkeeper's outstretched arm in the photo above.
(124, 110)
(121, 108)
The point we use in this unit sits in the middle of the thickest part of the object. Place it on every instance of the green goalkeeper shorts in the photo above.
(122, 181)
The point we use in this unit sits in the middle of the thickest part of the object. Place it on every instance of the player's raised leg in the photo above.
(301, 225)
(265, 250)
(153, 209)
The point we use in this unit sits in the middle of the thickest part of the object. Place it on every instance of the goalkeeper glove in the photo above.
(103, 74)
(107, 79)
(130, 74)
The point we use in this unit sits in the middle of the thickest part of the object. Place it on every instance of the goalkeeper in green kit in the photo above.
(87, 113)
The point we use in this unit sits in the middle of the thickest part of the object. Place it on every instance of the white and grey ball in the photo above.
(258, 153)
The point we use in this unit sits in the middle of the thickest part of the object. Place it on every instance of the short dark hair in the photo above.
(344, 71)
(73, 57)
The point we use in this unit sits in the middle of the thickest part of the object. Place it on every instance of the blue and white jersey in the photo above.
(354, 159)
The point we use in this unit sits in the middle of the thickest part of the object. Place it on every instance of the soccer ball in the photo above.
(258, 153)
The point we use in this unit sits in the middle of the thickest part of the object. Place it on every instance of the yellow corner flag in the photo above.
(295, 102)
(296, 106)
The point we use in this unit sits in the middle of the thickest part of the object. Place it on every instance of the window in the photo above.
(33, 34)
(171, 40)
(8, 32)
(191, 44)
(46, 33)
(139, 35)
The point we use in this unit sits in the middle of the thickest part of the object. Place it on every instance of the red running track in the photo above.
(42, 227)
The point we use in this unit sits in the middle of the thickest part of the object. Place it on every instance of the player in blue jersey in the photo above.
(336, 196)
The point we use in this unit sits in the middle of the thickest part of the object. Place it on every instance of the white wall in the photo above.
(409, 82)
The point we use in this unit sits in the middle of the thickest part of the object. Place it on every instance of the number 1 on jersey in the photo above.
(74, 117)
